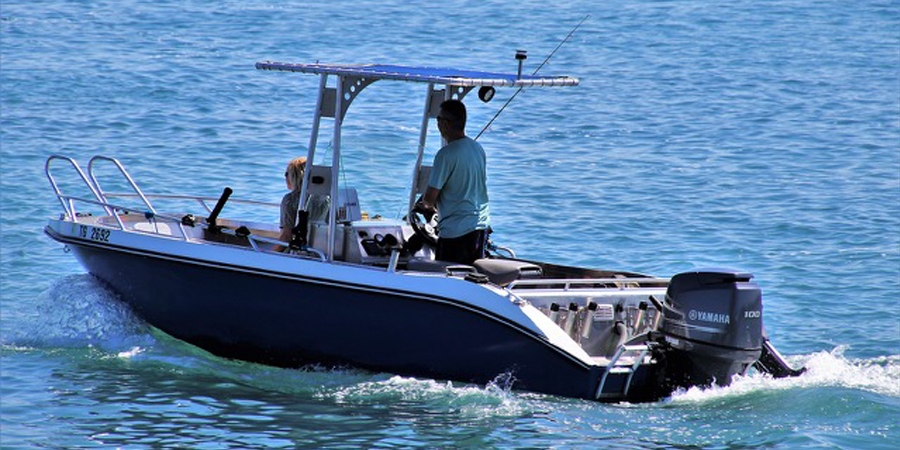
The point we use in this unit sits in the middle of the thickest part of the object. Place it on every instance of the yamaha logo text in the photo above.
(706, 316)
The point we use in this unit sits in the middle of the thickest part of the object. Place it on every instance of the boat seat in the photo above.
(418, 264)
(504, 271)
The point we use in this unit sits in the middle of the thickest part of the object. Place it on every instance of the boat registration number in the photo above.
(94, 234)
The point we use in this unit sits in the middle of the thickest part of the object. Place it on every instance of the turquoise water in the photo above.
(759, 135)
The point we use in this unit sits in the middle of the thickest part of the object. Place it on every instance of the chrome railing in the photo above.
(591, 283)
(203, 201)
(101, 199)
(68, 204)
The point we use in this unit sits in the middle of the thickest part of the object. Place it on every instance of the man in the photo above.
(458, 188)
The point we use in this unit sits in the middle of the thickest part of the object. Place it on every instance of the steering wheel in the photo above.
(424, 228)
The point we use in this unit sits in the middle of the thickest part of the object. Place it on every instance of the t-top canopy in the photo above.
(447, 76)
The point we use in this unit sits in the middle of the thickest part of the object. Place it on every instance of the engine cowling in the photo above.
(712, 322)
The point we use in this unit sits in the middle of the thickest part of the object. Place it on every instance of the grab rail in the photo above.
(123, 172)
(569, 283)
(69, 206)
(102, 199)
(498, 248)
(201, 200)
(253, 239)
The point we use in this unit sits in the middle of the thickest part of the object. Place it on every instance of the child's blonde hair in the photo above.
(294, 172)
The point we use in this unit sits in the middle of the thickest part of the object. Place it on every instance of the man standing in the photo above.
(458, 188)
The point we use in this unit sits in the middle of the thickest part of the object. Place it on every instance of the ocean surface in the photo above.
(761, 135)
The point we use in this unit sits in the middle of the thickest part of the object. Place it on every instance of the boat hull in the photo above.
(290, 321)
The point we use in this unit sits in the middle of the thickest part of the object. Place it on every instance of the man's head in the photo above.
(452, 119)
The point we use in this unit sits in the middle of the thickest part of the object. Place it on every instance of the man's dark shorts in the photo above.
(464, 249)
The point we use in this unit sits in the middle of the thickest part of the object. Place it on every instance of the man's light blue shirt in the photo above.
(460, 173)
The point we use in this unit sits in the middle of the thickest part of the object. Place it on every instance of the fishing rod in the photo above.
(521, 56)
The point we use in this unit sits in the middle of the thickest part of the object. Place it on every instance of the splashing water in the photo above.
(468, 401)
(824, 369)
(80, 311)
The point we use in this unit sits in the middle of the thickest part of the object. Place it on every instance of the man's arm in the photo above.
(430, 198)
(426, 203)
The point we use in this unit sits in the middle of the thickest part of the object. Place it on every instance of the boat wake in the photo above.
(78, 311)
(880, 375)
(469, 401)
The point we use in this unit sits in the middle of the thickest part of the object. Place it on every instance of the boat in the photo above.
(366, 292)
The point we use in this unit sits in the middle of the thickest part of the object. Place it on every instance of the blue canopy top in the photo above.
(435, 75)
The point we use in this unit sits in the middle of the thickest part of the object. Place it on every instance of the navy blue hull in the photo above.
(290, 321)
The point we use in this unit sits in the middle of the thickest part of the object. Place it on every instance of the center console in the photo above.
(362, 241)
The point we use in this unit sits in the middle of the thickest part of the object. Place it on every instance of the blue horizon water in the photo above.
(763, 136)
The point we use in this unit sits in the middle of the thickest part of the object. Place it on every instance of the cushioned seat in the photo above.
(431, 265)
(504, 271)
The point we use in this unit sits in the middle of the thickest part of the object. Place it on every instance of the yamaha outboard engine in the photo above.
(712, 323)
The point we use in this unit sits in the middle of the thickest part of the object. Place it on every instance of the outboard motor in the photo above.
(712, 323)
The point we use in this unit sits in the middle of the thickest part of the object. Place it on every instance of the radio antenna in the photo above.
(518, 53)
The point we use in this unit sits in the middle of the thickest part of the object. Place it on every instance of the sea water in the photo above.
(758, 135)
